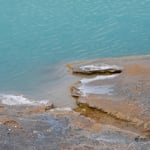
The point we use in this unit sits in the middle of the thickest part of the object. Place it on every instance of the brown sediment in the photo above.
(122, 110)
(36, 109)
(137, 69)
(10, 122)
(1, 108)
(105, 118)
(4, 118)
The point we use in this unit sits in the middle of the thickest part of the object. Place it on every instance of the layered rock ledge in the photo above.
(117, 87)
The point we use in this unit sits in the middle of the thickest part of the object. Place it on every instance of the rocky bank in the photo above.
(112, 113)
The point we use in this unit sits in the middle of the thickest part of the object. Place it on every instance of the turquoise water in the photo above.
(37, 37)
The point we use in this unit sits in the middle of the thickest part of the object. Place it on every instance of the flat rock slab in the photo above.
(124, 95)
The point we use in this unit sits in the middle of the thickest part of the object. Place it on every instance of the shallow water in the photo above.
(37, 37)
